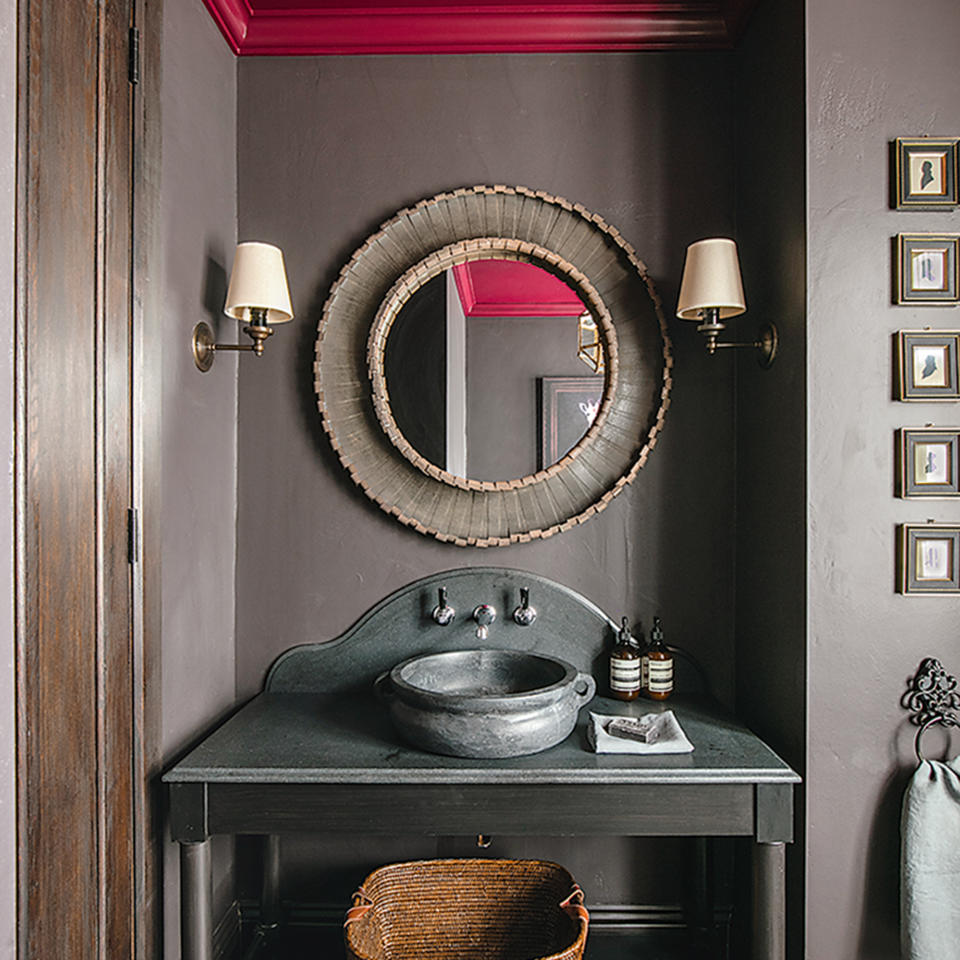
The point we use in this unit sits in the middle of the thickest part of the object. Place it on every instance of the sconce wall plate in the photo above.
(204, 346)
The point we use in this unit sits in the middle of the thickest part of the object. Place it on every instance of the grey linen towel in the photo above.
(930, 863)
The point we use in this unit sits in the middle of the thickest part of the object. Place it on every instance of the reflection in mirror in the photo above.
(494, 369)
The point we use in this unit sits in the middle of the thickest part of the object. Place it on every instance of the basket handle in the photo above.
(573, 906)
(361, 904)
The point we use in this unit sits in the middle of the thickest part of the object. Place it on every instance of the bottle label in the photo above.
(644, 672)
(661, 676)
(624, 675)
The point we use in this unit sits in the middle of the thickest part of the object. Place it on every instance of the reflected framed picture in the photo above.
(927, 558)
(926, 268)
(926, 365)
(927, 462)
(924, 173)
(567, 407)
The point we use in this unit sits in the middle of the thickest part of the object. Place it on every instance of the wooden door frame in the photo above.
(87, 606)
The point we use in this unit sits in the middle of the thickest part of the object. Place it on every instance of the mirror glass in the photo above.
(494, 369)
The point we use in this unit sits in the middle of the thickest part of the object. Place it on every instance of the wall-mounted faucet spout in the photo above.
(484, 615)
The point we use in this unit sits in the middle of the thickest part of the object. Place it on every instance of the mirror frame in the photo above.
(506, 223)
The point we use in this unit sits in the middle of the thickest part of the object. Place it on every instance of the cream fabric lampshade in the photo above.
(259, 279)
(711, 278)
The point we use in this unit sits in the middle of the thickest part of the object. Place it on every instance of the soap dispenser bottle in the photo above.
(625, 665)
(659, 664)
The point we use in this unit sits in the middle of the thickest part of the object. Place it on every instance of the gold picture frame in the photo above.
(924, 175)
(928, 559)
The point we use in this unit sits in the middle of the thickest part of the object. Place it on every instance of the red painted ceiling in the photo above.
(317, 27)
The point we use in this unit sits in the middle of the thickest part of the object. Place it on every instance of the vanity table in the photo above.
(316, 752)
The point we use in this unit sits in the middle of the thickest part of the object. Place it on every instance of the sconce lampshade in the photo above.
(711, 278)
(258, 280)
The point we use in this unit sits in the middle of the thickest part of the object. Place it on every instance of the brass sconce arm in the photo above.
(204, 345)
(766, 343)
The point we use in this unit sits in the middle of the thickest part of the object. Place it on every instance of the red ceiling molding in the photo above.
(318, 27)
(511, 288)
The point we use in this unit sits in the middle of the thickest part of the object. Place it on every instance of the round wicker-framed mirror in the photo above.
(511, 223)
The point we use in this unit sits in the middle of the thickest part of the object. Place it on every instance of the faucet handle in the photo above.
(443, 613)
(524, 615)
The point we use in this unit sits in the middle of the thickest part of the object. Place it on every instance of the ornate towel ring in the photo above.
(932, 697)
(947, 721)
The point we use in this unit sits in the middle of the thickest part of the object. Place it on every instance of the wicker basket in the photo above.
(467, 910)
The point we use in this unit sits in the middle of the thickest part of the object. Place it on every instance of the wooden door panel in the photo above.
(75, 713)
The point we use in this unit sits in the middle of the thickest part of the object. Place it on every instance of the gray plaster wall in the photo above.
(198, 412)
(328, 149)
(876, 69)
(8, 193)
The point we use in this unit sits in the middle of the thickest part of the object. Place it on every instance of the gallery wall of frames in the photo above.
(924, 173)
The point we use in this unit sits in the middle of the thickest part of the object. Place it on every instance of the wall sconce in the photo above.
(589, 345)
(258, 294)
(711, 291)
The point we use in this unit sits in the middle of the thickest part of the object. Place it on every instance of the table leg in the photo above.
(270, 890)
(700, 895)
(196, 901)
(769, 901)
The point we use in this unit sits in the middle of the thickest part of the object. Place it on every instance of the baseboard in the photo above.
(626, 917)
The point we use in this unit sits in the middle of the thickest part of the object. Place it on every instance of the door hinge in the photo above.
(134, 64)
(133, 535)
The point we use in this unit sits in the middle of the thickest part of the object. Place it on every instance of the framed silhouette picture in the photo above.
(927, 462)
(926, 365)
(924, 173)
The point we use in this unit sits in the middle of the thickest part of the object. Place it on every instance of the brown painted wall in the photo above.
(876, 69)
(771, 404)
(329, 148)
(503, 364)
(199, 411)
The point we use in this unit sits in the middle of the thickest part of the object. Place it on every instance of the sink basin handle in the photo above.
(585, 686)
(443, 613)
(524, 615)
(382, 686)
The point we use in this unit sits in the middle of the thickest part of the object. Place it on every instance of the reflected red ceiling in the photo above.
(511, 288)
(317, 27)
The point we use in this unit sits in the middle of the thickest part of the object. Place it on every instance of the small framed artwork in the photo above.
(926, 268)
(567, 406)
(924, 173)
(927, 558)
(927, 462)
(926, 365)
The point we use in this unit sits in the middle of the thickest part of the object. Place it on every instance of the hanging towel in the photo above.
(930, 863)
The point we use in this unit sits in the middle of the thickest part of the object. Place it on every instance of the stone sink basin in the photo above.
(485, 703)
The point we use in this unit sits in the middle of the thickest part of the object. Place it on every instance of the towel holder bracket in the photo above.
(931, 697)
